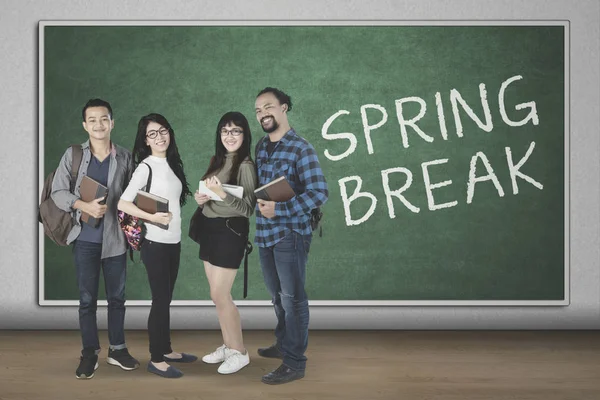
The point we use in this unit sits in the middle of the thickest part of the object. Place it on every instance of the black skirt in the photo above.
(223, 240)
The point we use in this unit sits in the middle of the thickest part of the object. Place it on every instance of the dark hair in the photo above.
(96, 103)
(141, 150)
(218, 160)
(282, 97)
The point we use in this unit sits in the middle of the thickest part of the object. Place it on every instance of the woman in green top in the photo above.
(223, 231)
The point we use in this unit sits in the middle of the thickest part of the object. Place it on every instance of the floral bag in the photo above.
(134, 227)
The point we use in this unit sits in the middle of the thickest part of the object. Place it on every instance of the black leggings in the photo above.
(162, 265)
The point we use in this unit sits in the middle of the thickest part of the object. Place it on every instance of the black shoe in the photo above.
(171, 372)
(123, 359)
(270, 352)
(87, 366)
(283, 374)
(185, 358)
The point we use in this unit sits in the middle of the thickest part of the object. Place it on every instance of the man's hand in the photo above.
(94, 208)
(267, 208)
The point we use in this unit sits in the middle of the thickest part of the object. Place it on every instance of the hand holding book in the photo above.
(201, 198)
(266, 208)
(161, 218)
(93, 210)
(155, 205)
(277, 190)
(213, 188)
(214, 183)
(94, 194)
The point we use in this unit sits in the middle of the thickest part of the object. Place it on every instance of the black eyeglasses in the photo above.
(153, 134)
(234, 132)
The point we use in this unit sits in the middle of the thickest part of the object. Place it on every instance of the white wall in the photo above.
(18, 166)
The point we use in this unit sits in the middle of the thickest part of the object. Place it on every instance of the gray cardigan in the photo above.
(119, 172)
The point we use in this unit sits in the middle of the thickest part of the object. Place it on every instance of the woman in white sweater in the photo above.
(155, 151)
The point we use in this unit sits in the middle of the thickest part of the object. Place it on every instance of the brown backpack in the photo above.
(58, 223)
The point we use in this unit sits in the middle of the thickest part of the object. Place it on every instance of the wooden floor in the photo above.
(409, 365)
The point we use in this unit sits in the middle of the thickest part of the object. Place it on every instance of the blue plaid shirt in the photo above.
(297, 159)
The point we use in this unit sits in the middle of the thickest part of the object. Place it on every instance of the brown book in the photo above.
(277, 190)
(152, 204)
(91, 190)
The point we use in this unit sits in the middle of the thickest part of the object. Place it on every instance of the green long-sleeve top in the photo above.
(231, 206)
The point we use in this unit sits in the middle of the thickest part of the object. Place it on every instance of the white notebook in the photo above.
(236, 191)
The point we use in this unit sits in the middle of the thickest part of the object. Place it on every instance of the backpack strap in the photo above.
(149, 181)
(76, 158)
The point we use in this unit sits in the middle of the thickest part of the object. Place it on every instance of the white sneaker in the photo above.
(234, 362)
(217, 356)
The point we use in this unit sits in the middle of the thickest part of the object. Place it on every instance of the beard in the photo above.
(273, 128)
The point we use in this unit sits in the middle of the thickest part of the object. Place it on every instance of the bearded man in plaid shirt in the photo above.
(283, 230)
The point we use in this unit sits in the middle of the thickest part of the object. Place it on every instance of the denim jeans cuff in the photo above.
(295, 365)
(88, 351)
(118, 346)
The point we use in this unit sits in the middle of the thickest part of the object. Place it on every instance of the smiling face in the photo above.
(232, 137)
(158, 138)
(98, 123)
(269, 112)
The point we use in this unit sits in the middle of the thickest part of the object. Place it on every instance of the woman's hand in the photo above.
(201, 198)
(162, 218)
(214, 184)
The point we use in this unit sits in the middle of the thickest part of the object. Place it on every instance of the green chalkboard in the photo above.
(436, 114)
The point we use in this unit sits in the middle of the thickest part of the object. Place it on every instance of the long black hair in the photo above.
(141, 150)
(218, 160)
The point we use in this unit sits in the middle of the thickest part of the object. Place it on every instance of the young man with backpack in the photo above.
(101, 248)
(284, 230)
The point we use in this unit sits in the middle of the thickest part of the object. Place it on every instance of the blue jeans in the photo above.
(284, 271)
(87, 266)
